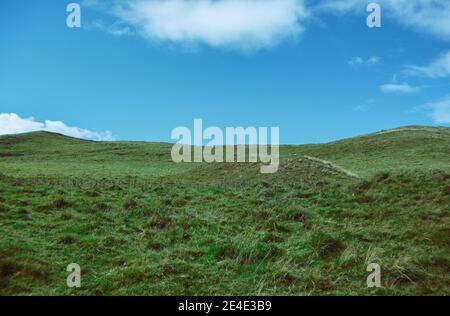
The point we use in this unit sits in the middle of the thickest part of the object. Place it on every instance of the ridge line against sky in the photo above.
(279, 50)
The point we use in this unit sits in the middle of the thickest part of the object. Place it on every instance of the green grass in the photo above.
(139, 224)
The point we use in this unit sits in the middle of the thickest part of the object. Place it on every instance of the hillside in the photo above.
(139, 224)
(42, 153)
(397, 150)
(48, 154)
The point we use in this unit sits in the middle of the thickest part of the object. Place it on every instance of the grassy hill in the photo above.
(137, 223)
(412, 148)
(47, 154)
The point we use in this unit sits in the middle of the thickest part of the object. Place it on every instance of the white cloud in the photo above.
(371, 61)
(249, 25)
(440, 68)
(439, 111)
(427, 16)
(398, 88)
(374, 60)
(117, 29)
(11, 123)
(355, 61)
(244, 25)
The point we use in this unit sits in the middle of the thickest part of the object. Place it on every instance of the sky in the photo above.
(137, 69)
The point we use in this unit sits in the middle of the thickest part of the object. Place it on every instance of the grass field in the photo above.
(139, 224)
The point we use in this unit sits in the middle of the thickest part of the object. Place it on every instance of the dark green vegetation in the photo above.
(139, 224)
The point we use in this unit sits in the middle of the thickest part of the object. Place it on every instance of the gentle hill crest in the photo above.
(408, 148)
(38, 136)
(45, 135)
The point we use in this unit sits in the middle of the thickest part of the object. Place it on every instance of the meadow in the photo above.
(139, 224)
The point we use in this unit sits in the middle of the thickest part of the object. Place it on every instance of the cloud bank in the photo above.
(250, 25)
(244, 25)
(11, 123)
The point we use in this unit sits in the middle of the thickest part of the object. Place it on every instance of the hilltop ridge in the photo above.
(410, 128)
(403, 149)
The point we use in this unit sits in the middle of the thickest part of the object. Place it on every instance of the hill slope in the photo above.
(407, 148)
(139, 224)
(48, 154)
(42, 153)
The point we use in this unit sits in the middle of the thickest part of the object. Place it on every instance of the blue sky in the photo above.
(138, 69)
